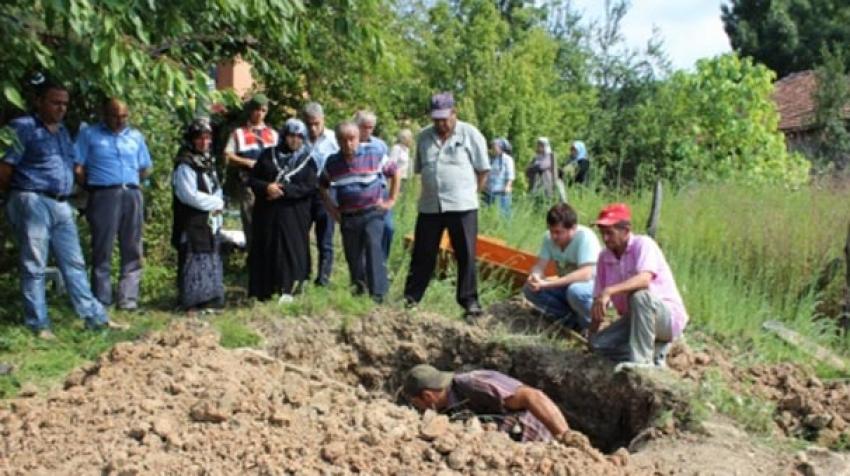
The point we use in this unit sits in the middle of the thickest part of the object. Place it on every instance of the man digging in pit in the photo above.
(524, 412)
(633, 276)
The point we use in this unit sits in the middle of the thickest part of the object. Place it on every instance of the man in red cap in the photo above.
(633, 275)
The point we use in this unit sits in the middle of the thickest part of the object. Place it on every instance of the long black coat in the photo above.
(280, 253)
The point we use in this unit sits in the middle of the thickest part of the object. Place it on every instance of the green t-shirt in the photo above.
(583, 249)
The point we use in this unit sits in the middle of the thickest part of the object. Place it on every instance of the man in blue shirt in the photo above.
(38, 173)
(322, 144)
(112, 159)
(501, 178)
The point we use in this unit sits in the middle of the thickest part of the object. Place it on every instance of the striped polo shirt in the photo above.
(359, 183)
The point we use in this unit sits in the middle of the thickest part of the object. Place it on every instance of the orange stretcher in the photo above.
(495, 259)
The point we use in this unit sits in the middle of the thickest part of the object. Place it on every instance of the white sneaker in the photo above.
(116, 326)
(624, 366)
(285, 299)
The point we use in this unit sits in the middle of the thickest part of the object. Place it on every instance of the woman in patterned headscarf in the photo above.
(197, 204)
(540, 172)
(284, 181)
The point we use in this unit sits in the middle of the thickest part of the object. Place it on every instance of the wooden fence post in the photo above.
(820, 283)
(655, 211)
(844, 320)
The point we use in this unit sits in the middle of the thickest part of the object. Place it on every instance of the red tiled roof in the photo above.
(794, 98)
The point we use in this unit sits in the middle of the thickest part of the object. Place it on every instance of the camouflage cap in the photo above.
(425, 377)
(256, 101)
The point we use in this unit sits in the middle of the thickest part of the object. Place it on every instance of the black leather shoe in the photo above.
(473, 309)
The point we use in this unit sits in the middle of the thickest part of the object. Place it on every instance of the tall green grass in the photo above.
(740, 255)
(743, 255)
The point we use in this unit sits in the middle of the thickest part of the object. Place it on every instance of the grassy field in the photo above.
(741, 255)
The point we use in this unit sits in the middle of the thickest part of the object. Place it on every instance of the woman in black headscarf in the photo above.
(197, 204)
(283, 180)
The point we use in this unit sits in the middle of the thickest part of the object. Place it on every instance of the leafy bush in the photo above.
(717, 124)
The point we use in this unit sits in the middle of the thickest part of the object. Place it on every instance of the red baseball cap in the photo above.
(613, 214)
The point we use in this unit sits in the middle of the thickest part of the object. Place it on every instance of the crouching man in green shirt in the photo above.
(567, 297)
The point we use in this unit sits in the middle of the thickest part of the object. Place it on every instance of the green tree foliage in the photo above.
(787, 35)
(507, 79)
(624, 78)
(832, 99)
(154, 52)
(347, 55)
(716, 124)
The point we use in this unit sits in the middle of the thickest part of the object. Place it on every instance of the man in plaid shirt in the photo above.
(524, 412)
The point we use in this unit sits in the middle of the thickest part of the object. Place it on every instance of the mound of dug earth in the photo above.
(806, 407)
(178, 403)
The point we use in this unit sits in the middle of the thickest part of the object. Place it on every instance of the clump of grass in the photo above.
(45, 363)
(235, 332)
(714, 394)
(337, 297)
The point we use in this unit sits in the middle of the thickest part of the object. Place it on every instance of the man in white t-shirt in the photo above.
(567, 297)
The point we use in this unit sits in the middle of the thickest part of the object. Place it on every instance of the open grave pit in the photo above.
(376, 351)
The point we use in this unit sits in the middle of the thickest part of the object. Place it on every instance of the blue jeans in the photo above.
(503, 199)
(42, 224)
(389, 232)
(568, 305)
(361, 241)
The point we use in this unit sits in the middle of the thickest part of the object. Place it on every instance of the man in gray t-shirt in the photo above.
(451, 157)
(574, 248)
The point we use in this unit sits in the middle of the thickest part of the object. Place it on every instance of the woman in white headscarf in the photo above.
(578, 156)
(400, 154)
(499, 185)
(540, 172)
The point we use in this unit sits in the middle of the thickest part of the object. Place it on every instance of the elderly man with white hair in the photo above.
(366, 121)
(356, 176)
(322, 142)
